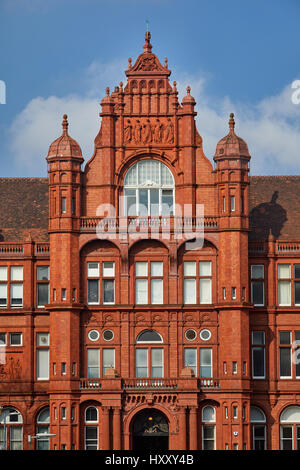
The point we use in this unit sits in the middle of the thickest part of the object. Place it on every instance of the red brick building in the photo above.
(121, 327)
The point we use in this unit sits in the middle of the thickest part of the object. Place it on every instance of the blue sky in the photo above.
(58, 56)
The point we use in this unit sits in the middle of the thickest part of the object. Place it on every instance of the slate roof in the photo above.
(274, 204)
(23, 209)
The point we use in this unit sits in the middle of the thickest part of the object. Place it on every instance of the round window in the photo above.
(190, 335)
(205, 335)
(93, 335)
(107, 335)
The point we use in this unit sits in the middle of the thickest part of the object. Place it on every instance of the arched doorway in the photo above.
(150, 431)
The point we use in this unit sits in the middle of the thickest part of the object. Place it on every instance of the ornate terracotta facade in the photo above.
(133, 319)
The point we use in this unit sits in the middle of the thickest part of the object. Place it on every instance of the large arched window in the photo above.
(11, 429)
(208, 428)
(148, 189)
(290, 428)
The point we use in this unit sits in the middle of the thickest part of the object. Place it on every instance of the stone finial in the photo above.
(231, 122)
(188, 90)
(107, 91)
(166, 62)
(147, 46)
(111, 372)
(129, 63)
(65, 124)
(187, 372)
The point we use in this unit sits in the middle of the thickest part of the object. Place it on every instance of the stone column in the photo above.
(181, 444)
(193, 425)
(117, 428)
(105, 429)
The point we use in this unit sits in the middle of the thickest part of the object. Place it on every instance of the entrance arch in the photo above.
(150, 431)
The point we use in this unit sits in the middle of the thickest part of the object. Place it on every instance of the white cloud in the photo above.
(270, 127)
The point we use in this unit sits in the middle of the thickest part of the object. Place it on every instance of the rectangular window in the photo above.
(16, 295)
(16, 438)
(93, 366)
(205, 288)
(190, 287)
(286, 437)
(157, 362)
(285, 354)
(91, 437)
(234, 367)
(232, 203)
(141, 291)
(63, 205)
(2, 339)
(142, 362)
(233, 293)
(258, 354)
(15, 339)
(93, 291)
(63, 368)
(284, 284)
(108, 359)
(257, 284)
(3, 286)
(156, 291)
(42, 365)
(190, 359)
(208, 437)
(205, 362)
(259, 437)
(42, 275)
(108, 286)
(64, 294)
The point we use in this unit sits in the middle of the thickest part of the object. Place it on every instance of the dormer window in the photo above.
(148, 189)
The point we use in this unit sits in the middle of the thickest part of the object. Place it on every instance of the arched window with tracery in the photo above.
(149, 189)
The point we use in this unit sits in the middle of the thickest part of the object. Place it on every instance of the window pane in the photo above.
(15, 339)
(143, 202)
(108, 358)
(190, 291)
(42, 339)
(16, 438)
(284, 337)
(297, 293)
(141, 291)
(205, 291)
(43, 364)
(190, 268)
(16, 273)
(257, 271)
(93, 291)
(93, 269)
(205, 363)
(141, 268)
(204, 268)
(3, 294)
(154, 202)
(258, 337)
(167, 202)
(157, 291)
(142, 363)
(93, 369)
(284, 293)
(157, 268)
(3, 273)
(42, 294)
(108, 291)
(284, 271)
(190, 359)
(108, 269)
(297, 271)
(131, 205)
(258, 357)
(42, 273)
(208, 433)
(285, 362)
(16, 294)
(91, 414)
(156, 362)
(91, 438)
(257, 289)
